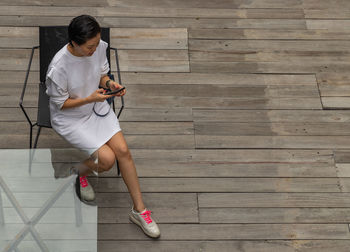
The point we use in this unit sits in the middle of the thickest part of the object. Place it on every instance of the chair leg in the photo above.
(37, 137)
(117, 164)
(31, 137)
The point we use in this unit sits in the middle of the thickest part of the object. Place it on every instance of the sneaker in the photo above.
(86, 191)
(144, 220)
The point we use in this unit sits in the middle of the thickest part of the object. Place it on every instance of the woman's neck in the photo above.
(72, 51)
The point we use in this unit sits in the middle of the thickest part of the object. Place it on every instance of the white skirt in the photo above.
(89, 132)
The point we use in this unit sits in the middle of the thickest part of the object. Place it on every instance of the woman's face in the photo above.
(88, 48)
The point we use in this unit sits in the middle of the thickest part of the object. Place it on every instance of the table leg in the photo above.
(77, 207)
(2, 219)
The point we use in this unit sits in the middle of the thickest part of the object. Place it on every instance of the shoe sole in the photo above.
(133, 219)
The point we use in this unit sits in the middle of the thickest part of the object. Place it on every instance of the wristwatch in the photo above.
(107, 83)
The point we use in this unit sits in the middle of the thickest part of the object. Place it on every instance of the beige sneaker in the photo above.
(86, 191)
(144, 220)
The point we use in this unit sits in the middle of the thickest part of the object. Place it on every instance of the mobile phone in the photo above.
(114, 91)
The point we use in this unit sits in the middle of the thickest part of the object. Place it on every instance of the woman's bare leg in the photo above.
(106, 160)
(127, 167)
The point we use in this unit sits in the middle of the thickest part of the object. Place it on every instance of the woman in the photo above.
(82, 116)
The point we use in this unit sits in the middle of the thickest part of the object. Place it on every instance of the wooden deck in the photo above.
(236, 114)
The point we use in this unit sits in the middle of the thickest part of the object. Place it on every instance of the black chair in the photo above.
(51, 40)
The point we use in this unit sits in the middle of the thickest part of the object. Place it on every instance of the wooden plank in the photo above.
(269, 45)
(305, 57)
(271, 129)
(341, 156)
(224, 184)
(273, 215)
(18, 37)
(129, 128)
(149, 60)
(223, 91)
(344, 184)
(157, 114)
(157, 128)
(17, 59)
(126, 22)
(226, 246)
(226, 4)
(334, 91)
(138, 246)
(223, 103)
(333, 84)
(271, 116)
(167, 207)
(154, 11)
(343, 170)
(252, 34)
(155, 66)
(217, 78)
(324, 4)
(274, 200)
(54, 2)
(334, 79)
(134, 3)
(169, 102)
(161, 215)
(334, 25)
(14, 114)
(331, 13)
(231, 169)
(303, 142)
(17, 77)
(126, 38)
(228, 231)
(152, 200)
(160, 141)
(122, 38)
(134, 141)
(235, 156)
(335, 102)
(128, 56)
(268, 67)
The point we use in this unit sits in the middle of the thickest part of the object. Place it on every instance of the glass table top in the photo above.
(39, 208)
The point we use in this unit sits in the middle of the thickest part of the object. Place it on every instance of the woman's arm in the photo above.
(103, 81)
(111, 85)
(96, 96)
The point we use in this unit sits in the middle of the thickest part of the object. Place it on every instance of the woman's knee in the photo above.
(106, 159)
(105, 163)
(123, 151)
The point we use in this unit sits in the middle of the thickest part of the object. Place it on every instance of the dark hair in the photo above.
(83, 28)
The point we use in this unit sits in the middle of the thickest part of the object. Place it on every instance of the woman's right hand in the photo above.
(98, 96)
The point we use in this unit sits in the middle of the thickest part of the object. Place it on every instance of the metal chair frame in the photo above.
(31, 124)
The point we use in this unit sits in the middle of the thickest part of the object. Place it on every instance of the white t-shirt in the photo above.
(69, 76)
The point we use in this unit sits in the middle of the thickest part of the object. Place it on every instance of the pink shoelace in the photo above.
(147, 216)
(83, 181)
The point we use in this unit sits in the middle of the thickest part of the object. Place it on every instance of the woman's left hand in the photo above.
(115, 86)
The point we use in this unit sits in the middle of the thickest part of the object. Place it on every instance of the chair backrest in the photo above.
(52, 39)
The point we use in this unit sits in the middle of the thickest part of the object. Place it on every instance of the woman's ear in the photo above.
(73, 44)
